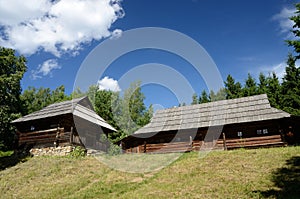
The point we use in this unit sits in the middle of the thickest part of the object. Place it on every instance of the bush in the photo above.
(78, 152)
(114, 149)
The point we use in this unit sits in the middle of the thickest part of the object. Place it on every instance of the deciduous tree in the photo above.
(12, 70)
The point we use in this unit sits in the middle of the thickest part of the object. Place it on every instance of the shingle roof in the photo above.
(240, 110)
(80, 107)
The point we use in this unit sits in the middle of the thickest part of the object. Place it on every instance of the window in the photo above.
(240, 134)
(262, 131)
(265, 131)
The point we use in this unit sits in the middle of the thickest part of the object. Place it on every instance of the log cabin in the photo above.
(68, 123)
(247, 122)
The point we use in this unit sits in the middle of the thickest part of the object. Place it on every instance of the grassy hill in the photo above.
(259, 173)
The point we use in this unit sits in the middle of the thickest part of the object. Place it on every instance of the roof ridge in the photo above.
(76, 100)
(225, 101)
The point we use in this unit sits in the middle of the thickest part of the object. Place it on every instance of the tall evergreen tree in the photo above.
(291, 87)
(203, 98)
(274, 91)
(262, 85)
(295, 43)
(220, 95)
(212, 96)
(194, 99)
(250, 87)
(233, 89)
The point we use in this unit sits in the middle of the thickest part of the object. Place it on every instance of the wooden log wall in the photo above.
(254, 142)
(54, 136)
(220, 144)
(40, 137)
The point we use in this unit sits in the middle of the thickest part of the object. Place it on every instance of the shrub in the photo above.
(78, 152)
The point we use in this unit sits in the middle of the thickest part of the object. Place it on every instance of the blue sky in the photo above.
(56, 36)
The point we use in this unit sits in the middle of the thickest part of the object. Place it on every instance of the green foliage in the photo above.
(291, 87)
(232, 89)
(130, 111)
(77, 93)
(296, 31)
(203, 98)
(274, 90)
(126, 114)
(77, 152)
(194, 99)
(250, 87)
(11, 72)
(6, 153)
(112, 149)
(220, 95)
(35, 99)
(91, 93)
(263, 83)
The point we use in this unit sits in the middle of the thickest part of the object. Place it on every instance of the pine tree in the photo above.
(262, 85)
(220, 95)
(203, 97)
(250, 87)
(194, 99)
(233, 89)
(212, 96)
(296, 31)
(291, 87)
(274, 91)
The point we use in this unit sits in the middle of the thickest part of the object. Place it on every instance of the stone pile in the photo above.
(52, 151)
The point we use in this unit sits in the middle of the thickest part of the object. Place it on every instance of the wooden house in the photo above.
(226, 124)
(68, 123)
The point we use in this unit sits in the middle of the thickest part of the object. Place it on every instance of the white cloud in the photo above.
(116, 34)
(108, 84)
(285, 24)
(56, 26)
(279, 69)
(45, 69)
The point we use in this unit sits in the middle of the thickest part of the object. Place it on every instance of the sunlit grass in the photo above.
(220, 174)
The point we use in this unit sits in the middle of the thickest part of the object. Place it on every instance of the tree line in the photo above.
(284, 95)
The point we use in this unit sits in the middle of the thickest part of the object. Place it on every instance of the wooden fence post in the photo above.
(145, 147)
(224, 141)
(191, 143)
(71, 135)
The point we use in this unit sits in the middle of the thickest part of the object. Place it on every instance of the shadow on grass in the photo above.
(12, 160)
(287, 180)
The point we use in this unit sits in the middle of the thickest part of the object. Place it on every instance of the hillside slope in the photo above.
(259, 173)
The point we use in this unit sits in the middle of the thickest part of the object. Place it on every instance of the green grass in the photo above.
(6, 153)
(257, 173)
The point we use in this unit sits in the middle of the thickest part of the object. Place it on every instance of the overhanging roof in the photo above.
(80, 107)
(240, 110)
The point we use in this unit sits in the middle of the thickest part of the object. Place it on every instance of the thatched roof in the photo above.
(80, 107)
(241, 110)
